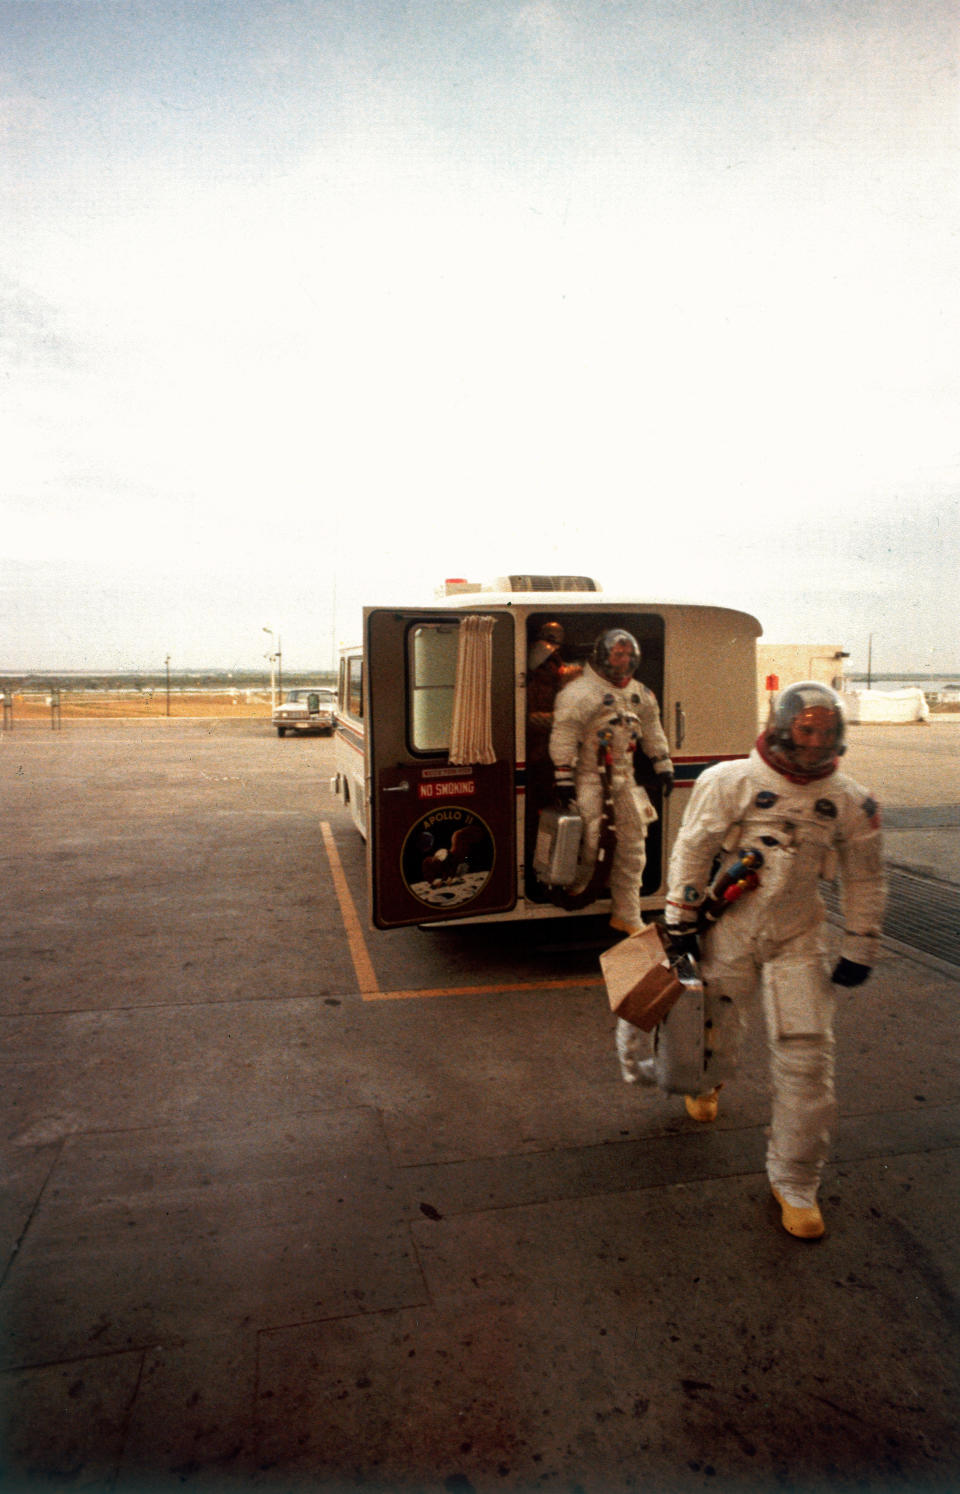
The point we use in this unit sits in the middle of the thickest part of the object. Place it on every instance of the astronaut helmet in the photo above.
(807, 728)
(616, 656)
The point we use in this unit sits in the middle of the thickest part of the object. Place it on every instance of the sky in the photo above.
(310, 304)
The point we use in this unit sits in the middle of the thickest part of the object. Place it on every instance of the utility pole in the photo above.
(167, 663)
(334, 660)
(869, 661)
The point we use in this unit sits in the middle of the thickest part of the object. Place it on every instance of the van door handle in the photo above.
(680, 726)
(398, 788)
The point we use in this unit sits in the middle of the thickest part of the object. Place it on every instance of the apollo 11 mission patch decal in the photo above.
(447, 857)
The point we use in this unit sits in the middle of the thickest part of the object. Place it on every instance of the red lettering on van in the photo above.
(447, 790)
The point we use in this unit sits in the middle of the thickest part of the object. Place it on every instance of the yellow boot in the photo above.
(703, 1107)
(804, 1221)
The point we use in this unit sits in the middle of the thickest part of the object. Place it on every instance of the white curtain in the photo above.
(471, 733)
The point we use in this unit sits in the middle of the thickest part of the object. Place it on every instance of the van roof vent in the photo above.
(546, 583)
(457, 585)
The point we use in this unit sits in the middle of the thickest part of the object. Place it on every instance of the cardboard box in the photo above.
(641, 986)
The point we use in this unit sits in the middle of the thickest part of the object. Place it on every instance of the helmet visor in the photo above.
(616, 655)
(807, 726)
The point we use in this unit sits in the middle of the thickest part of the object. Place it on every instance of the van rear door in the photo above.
(441, 839)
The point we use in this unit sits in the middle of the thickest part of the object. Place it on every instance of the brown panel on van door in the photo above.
(447, 847)
(442, 843)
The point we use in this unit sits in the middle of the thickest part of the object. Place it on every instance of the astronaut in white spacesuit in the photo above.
(599, 721)
(809, 821)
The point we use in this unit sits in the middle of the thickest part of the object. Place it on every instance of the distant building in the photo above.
(789, 662)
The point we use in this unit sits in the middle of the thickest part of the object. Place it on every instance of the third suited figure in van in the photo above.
(808, 821)
(599, 722)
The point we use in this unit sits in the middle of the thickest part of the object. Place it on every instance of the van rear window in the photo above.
(432, 672)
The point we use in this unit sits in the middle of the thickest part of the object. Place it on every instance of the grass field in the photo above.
(102, 705)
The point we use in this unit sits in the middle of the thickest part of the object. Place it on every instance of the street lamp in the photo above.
(276, 690)
(167, 664)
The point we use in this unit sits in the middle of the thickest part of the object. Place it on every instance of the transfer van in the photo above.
(442, 737)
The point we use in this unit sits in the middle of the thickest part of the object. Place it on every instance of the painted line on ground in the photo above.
(363, 965)
(569, 982)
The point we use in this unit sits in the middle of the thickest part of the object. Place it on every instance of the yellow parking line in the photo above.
(515, 985)
(363, 965)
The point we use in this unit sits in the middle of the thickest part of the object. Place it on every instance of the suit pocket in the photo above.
(800, 1006)
(645, 809)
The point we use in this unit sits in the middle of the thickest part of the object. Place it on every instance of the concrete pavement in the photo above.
(260, 1233)
(915, 771)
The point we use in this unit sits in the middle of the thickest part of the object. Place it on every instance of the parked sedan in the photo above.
(305, 711)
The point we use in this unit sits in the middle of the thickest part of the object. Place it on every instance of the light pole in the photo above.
(167, 665)
(276, 680)
(869, 660)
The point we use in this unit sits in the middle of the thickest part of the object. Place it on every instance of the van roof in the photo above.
(550, 601)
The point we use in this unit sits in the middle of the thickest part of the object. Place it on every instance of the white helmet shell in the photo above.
(603, 649)
(791, 703)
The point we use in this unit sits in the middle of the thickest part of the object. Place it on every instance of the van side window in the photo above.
(432, 671)
(355, 687)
